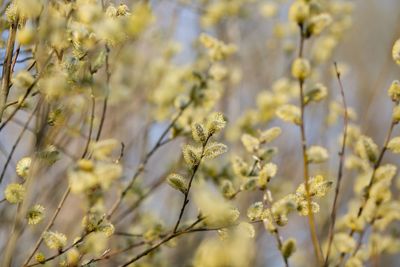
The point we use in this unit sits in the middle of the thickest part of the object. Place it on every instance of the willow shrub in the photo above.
(77, 74)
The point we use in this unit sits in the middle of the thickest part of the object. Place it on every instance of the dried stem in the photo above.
(340, 170)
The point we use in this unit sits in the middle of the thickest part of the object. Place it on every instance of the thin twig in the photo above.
(142, 165)
(105, 102)
(90, 125)
(371, 181)
(275, 233)
(48, 226)
(194, 171)
(59, 253)
(7, 67)
(14, 147)
(340, 170)
(28, 91)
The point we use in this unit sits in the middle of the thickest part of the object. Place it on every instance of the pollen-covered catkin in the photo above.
(301, 68)
(396, 52)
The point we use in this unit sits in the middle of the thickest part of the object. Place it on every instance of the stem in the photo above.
(340, 170)
(194, 171)
(7, 67)
(371, 181)
(105, 102)
(59, 254)
(49, 225)
(28, 91)
(142, 165)
(14, 147)
(90, 126)
(168, 238)
(275, 233)
(311, 220)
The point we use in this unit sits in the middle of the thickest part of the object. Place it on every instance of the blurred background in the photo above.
(266, 48)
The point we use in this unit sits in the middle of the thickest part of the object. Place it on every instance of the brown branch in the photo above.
(142, 165)
(194, 171)
(48, 226)
(90, 126)
(340, 170)
(275, 233)
(105, 102)
(28, 91)
(7, 67)
(14, 147)
(59, 253)
(371, 181)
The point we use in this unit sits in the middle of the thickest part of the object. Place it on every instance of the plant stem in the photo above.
(194, 171)
(90, 125)
(371, 181)
(311, 220)
(48, 226)
(340, 170)
(7, 67)
(275, 233)
(14, 147)
(142, 165)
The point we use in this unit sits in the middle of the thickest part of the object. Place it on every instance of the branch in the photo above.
(194, 171)
(7, 67)
(49, 225)
(142, 165)
(14, 147)
(340, 170)
(311, 220)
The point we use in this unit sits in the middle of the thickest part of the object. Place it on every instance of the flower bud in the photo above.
(301, 68)
(299, 12)
(396, 52)
(394, 91)
(396, 114)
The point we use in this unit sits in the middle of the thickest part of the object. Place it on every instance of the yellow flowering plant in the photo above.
(205, 133)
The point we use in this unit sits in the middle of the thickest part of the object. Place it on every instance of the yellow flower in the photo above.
(15, 193)
(317, 154)
(394, 91)
(217, 50)
(396, 52)
(54, 240)
(318, 24)
(269, 9)
(299, 11)
(40, 258)
(288, 248)
(394, 145)
(35, 214)
(26, 35)
(289, 113)
(301, 69)
(23, 167)
(396, 114)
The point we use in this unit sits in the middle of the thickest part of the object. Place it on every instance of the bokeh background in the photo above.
(364, 53)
